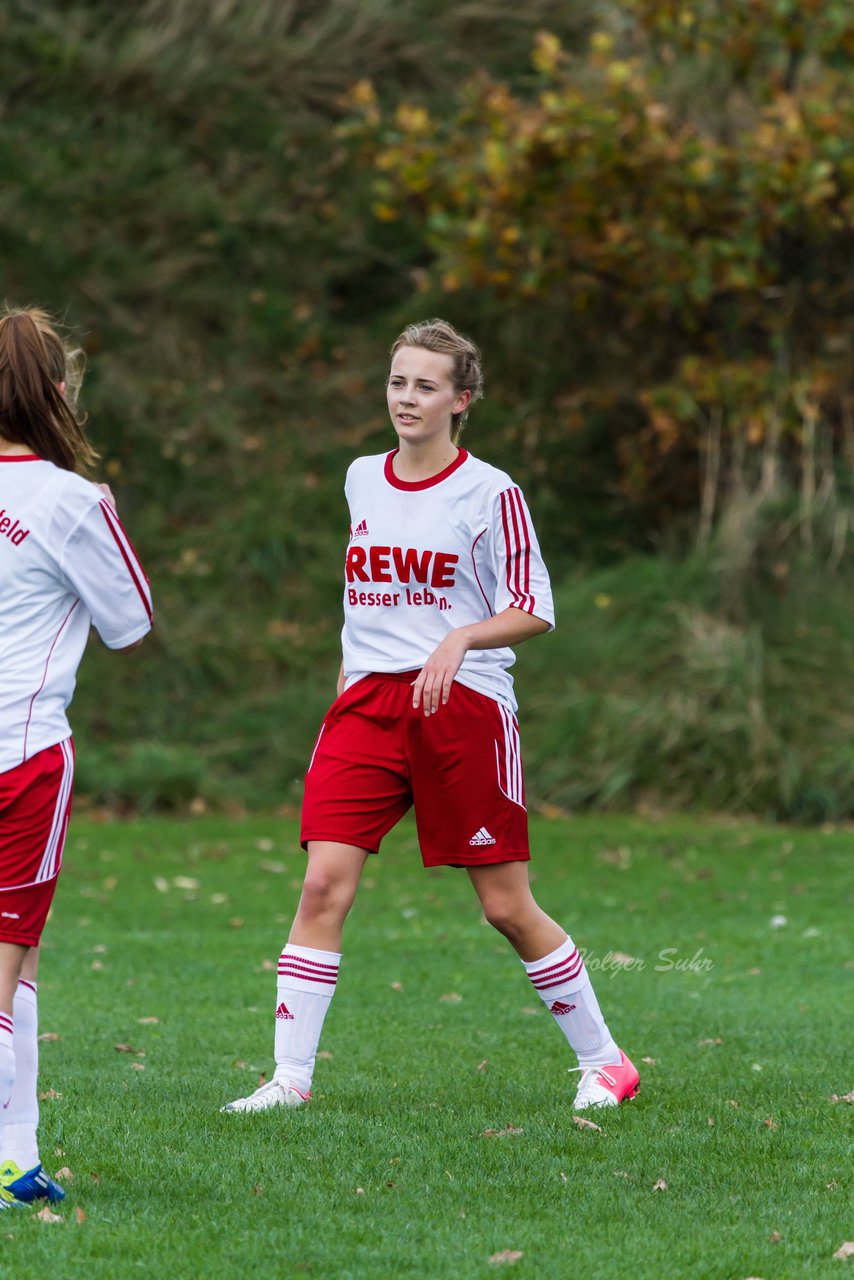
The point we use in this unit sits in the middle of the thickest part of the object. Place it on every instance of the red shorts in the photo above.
(461, 768)
(35, 805)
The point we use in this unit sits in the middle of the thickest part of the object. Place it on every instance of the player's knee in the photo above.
(503, 914)
(322, 893)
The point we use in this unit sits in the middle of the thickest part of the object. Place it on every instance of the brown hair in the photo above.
(438, 335)
(34, 360)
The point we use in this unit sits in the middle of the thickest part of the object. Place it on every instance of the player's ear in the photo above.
(462, 401)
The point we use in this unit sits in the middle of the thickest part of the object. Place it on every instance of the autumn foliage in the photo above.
(663, 230)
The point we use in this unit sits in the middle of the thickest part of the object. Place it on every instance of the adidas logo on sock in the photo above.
(559, 1007)
(361, 529)
(283, 1011)
(482, 837)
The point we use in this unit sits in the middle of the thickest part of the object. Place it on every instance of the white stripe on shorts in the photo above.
(316, 745)
(52, 859)
(512, 785)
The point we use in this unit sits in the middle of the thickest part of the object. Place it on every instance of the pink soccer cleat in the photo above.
(607, 1086)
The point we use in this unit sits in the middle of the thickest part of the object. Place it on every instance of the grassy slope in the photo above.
(413, 1081)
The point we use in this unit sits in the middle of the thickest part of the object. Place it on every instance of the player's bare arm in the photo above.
(432, 688)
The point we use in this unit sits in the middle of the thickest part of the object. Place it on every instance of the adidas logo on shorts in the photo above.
(481, 837)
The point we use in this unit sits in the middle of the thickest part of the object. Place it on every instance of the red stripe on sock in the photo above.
(564, 975)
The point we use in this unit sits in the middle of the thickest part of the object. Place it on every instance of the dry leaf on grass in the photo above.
(128, 1048)
(506, 1255)
(452, 997)
(268, 965)
(64, 1175)
(137, 1066)
(771, 1123)
(49, 1095)
(481, 1066)
(586, 1124)
(186, 882)
(650, 1062)
(257, 1190)
(48, 1035)
(710, 1121)
(509, 1131)
(717, 1040)
(236, 922)
(397, 986)
(661, 1185)
(79, 1214)
(96, 1177)
(834, 1097)
(45, 1215)
(844, 1251)
(774, 1237)
(144, 1022)
(325, 1053)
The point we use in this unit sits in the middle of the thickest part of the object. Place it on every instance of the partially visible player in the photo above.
(443, 577)
(65, 563)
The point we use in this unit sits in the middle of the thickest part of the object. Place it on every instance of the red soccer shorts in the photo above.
(461, 768)
(35, 805)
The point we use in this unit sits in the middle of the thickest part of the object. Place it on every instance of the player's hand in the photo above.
(432, 687)
(108, 494)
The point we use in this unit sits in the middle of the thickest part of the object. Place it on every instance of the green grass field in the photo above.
(164, 938)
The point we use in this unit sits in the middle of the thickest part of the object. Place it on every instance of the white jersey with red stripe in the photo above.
(65, 564)
(427, 557)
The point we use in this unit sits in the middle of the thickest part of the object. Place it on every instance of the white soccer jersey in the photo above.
(427, 557)
(65, 563)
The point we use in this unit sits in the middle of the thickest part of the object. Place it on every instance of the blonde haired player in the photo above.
(65, 563)
(443, 576)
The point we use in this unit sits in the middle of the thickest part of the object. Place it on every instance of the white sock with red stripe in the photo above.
(565, 988)
(18, 1140)
(7, 1059)
(306, 985)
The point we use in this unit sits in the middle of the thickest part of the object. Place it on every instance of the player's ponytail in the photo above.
(34, 412)
(438, 335)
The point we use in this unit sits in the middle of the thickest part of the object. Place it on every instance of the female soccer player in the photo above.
(65, 563)
(443, 576)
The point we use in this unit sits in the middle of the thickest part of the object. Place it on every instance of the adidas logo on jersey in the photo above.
(283, 1011)
(481, 837)
(361, 529)
(559, 1007)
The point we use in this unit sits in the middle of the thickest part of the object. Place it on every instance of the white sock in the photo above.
(306, 985)
(18, 1140)
(7, 1059)
(565, 988)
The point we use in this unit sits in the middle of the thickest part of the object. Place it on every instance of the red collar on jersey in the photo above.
(19, 457)
(411, 485)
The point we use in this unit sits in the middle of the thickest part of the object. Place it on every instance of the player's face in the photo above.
(422, 397)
